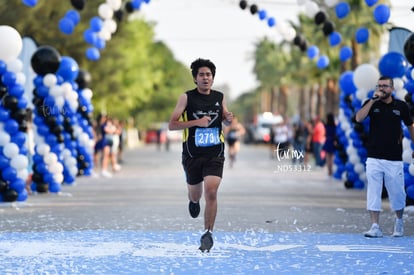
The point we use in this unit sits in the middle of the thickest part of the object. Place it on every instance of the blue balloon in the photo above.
(90, 36)
(322, 62)
(96, 24)
(19, 138)
(74, 16)
(16, 90)
(271, 21)
(4, 114)
(335, 38)
(408, 73)
(345, 53)
(382, 13)
(93, 54)
(409, 86)
(362, 35)
(392, 64)
(136, 4)
(313, 51)
(54, 187)
(22, 103)
(410, 191)
(17, 185)
(22, 195)
(66, 25)
(3, 67)
(68, 69)
(9, 174)
(30, 3)
(11, 126)
(342, 10)
(4, 162)
(9, 79)
(371, 3)
(346, 83)
(262, 14)
(100, 43)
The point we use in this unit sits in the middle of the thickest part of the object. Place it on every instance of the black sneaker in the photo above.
(194, 209)
(206, 242)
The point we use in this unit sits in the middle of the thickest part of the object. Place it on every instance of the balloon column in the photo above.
(13, 124)
(356, 87)
(55, 110)
(84, 127)
(409, 98)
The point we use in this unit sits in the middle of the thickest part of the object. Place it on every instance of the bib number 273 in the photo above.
(205, 137)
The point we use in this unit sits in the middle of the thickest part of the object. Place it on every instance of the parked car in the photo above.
(260, 131)
(165, 135)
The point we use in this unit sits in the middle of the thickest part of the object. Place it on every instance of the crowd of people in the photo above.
(313, 138)
(109, 141)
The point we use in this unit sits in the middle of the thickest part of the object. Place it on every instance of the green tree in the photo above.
(134, 75)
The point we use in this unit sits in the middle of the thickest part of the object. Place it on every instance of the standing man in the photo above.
(201, 112)
(384, 164)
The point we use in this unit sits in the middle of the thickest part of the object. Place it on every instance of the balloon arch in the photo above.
(62, 109)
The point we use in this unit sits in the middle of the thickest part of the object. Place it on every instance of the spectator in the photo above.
(318, 139)
(330, 142)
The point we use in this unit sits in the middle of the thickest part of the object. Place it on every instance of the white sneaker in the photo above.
(117, 167)
(398, 228)
(106, 174)
(374, 232)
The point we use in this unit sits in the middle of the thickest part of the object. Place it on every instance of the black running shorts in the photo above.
(197, 168)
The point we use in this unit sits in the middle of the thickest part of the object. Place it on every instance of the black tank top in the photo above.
(385, 133)
(204, 141)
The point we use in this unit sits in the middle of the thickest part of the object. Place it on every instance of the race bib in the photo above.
(205, 137)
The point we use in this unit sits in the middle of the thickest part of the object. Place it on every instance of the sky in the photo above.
(221, 31)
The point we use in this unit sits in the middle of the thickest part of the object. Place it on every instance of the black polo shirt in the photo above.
(385, 129)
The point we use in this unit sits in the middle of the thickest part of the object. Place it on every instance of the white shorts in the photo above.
(390, 173)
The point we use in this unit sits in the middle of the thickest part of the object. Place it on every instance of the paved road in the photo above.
(271, 220)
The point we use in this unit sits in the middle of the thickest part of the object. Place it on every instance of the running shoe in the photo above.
(194, 208)
(398, 228)
(206, 241)
(374, 232)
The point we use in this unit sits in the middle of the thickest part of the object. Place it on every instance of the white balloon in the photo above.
(60, 101)
(400, 94)
(50, 158)
(398, 83)
(42, 149)
(105, 11)
(15, 65)
(49, 80)
(406, 156)
(21, 78)
(359, 168)
(110, 25)
(19, 162)
(56, 91)
(331, 3)
(361, 94)
(366, 76)
(87, 93)
(4, 138)
(11, 150)
(311, 9)
(301, 2)
(23, 173)
(114, 4)
(11, 43)
(58, 178)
